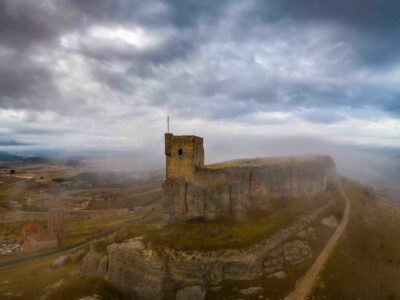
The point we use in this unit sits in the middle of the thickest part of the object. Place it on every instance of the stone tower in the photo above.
(55, 225)
(184, 154)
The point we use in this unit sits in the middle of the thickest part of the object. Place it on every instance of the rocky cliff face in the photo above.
(145, 273)
(216, 191)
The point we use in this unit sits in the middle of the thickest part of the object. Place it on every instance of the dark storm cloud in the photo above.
(210, 59)
(375, 24)
(149, 13)
(23, 24)
(187, 13)
(29, 30)
(25, 83)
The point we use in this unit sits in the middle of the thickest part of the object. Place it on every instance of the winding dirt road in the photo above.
(307, 282)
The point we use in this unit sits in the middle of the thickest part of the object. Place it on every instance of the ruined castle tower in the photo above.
(184, 154)
(193, 190)
(55, 225)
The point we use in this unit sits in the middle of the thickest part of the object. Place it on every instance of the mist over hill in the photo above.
(366, 163)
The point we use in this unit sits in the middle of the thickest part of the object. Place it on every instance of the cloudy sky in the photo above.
(105, 73)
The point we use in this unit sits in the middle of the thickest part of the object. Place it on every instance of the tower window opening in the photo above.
(180, 151)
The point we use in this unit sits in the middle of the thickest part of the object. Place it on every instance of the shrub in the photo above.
(78, 287)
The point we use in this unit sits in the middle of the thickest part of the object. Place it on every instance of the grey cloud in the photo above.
(209, 66)
(146, 12)
(40, 131)
(322, 116)
(25, 24)
(25, 83)
(374, 25)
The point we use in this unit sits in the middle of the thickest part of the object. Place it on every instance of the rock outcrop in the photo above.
(297, 251)
(193, 190)
(190, 293)
(331, 222)
(61, 261)
(145, 273)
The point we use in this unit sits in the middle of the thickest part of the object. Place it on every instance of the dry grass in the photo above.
(137, 226)
(78, 230)
(366, 263)
(227, 233)
(30, 280)
(272, 288)
(33, 280)
(78, 287)
(261, 161)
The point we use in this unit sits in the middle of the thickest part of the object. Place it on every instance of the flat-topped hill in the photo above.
(265, 161)
(193, 190)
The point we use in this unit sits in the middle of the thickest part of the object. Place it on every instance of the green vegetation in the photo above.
(9, 231)
(133, 228)
(366, 263)
(35, 186)
(229, 233)
(14, 191)
(259, 161)
(78, 287)
(31, 280)
(78, 230)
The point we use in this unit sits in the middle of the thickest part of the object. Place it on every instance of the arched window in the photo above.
(180, 151)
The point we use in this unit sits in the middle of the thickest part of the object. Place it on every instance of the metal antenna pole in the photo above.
(167, 124)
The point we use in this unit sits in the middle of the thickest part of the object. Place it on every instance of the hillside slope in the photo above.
(366, 262)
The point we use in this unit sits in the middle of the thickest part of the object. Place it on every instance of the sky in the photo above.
(104, 74)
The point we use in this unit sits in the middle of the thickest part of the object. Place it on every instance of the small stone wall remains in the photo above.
(20, 216)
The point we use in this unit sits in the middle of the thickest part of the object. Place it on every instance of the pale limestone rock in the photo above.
(79, 255)
(331, 222)
(136, 271)
(93, 297)
(244, 267)
(297, 251)
(274, 261)
(251, 291)
(278, 275)
(102, 267)
(195, 191)
(90, 263)
(61, 261)
(302, 234)
(311, 233)
(190, 293)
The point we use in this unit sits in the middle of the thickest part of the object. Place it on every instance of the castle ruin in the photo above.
(193, 190)
(34, 237)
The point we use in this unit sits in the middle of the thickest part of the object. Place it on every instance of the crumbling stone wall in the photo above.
(193, 190)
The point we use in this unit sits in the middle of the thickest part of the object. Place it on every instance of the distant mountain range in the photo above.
(5, 156)
(13, 143)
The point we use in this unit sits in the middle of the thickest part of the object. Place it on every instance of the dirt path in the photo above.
(307, 282)
(146, 193)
